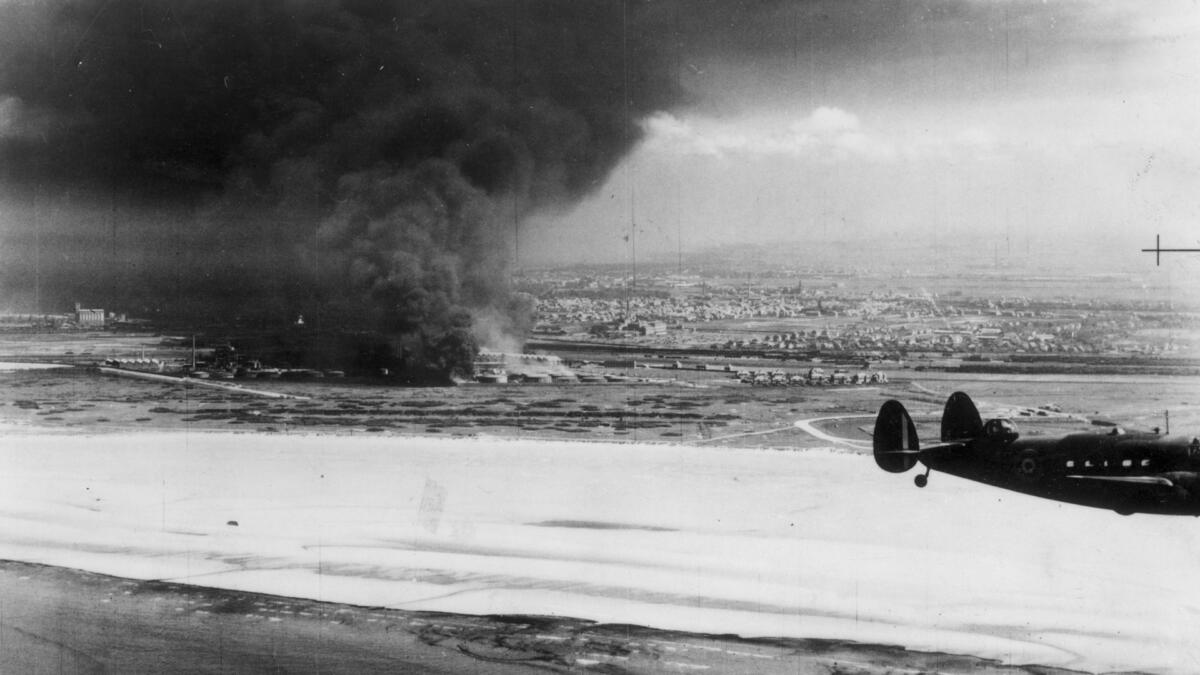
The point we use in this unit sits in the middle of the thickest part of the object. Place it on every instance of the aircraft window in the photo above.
(1145, 462)
(1070, 464)
(1127, 462)
(1088, 463)
(1000, 429)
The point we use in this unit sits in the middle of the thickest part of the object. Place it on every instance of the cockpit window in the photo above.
(1000, 429)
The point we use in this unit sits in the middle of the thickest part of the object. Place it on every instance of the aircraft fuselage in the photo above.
(1129, 473)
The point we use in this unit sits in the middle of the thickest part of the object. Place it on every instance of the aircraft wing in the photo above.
(1130, 480)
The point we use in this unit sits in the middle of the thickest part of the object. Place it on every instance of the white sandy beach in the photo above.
(20, 365)
(753, 542)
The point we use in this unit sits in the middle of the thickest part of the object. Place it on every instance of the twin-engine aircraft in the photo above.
(1125, 472)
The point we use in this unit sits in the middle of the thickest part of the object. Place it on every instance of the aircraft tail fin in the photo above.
(896, 445)
(960, 419)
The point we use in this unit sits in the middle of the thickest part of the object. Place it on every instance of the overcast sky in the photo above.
(1013, 124)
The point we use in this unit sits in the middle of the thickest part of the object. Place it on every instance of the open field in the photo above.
(695, 407)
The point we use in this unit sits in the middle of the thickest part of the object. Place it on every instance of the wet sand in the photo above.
(59, 620)
(689, 540)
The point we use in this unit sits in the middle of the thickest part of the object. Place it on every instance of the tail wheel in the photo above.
(1029, 466)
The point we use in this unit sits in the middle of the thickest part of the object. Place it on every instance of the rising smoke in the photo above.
(366, 164)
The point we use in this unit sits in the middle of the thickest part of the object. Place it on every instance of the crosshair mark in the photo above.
(1158, 250)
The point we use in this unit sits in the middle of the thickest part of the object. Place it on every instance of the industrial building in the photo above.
(89, 318)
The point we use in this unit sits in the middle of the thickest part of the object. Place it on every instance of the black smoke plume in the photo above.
(363, 163)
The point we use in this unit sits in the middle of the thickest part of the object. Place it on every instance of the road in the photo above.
(809, 426)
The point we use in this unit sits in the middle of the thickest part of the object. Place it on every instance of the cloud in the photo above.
(19, 122)
(826, 120)
(826, 133)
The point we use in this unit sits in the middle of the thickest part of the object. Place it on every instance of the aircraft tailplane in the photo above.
(896, 444)
(960, 419)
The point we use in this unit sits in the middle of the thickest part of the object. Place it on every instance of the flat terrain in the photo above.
(705, 408)
(105, 502)
(59, 620)
(651, 405)
(748, 542)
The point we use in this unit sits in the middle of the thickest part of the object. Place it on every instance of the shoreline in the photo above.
(33, 429)
(432, 529)
(90, 623)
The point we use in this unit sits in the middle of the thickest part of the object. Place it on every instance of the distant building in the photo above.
(646, 327)
(91, 318)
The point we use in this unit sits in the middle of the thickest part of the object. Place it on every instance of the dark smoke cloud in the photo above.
(363, 161)
(520, 95)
